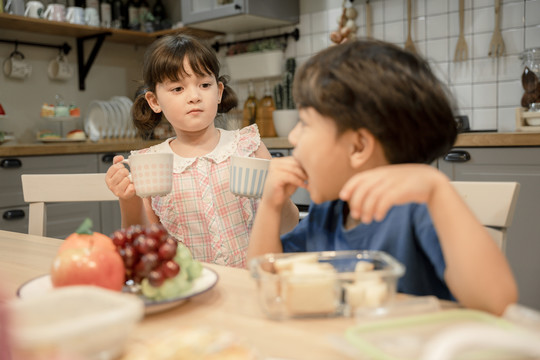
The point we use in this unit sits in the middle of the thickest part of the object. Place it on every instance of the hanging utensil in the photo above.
(409, 45)
(461, 52)
(496, 47)
(369, 30)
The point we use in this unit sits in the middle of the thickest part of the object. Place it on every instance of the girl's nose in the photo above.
(194, 96)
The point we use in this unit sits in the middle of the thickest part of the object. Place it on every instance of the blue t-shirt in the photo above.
(406, 233)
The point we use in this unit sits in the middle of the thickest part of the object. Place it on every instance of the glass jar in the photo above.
(530, 77)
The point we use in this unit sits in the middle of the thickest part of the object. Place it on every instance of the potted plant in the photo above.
(286, 115)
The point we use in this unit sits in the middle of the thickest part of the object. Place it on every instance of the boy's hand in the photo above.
(118, 181)
(372, 193)
(284, 176)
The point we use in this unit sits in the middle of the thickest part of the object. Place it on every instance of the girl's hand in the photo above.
(372, 193)
(118, 181)
(284, 176)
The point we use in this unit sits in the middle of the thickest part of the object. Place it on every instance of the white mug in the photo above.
(151, 173)
(59, 68)
(16, 67)
(15, 7)
(34, 9)
(55, 12)
(91, 16)
(75, 15)
(247, 176)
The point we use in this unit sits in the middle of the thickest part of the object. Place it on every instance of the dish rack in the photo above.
(527, 120)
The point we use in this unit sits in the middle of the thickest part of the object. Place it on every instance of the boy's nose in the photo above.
(293, 135)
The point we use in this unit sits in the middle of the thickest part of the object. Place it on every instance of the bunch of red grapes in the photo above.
(147, 253)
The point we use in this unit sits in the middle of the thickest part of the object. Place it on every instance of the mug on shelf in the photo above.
(151, 173)
(16, 67)
(15, 7)
(91, 16)
(75, 15)
(34, 9)
(59, 68)
(55, 12)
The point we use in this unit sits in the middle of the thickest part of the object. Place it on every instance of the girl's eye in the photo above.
(206, 85)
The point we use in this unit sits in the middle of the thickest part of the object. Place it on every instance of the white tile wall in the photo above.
(486, 89)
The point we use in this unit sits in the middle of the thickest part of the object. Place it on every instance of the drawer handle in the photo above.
(458, 156)
(13, 214)
(11, 163)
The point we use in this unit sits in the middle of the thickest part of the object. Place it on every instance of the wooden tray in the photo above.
(522, 116)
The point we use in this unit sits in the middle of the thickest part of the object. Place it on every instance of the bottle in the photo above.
(145, 17)
(159, 15)
(133, 15)
(250, 107)
(118, 14)
(265, 111)
(105, 8)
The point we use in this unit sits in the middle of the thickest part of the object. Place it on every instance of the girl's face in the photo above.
(191, 103)
(322, 154)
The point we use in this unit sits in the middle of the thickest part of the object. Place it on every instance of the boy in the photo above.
(372, 117)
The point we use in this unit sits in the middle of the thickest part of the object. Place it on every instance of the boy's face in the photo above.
(322, 154)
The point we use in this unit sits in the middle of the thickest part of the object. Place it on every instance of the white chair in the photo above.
(493, 203)
(43, 188)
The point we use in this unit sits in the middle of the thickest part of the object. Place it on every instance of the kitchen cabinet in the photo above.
(234, 16)
(519, 164)
(84, 33)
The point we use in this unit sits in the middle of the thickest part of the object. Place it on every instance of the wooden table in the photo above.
(231, 305)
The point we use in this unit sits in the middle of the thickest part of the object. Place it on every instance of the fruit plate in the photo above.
(41, 284)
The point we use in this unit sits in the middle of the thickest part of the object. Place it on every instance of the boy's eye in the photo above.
(177, 89)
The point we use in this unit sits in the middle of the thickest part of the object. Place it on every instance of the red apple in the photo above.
(88, 266)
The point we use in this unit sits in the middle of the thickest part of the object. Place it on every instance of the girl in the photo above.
(182, 82)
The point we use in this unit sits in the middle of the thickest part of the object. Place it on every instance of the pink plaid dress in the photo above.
(201, 211)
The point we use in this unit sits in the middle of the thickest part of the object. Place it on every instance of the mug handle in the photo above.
(17, 53)
(126, 162)
(47, 11)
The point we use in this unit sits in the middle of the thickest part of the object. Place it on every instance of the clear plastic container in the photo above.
(530, 79)
(85, 322)
(328, 283)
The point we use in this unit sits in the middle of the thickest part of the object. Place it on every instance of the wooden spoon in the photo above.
(409, 45)
(369, 30)
(461, 52)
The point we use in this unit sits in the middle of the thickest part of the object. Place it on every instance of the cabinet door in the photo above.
(509, 164)
(110, 210)
(194, 11)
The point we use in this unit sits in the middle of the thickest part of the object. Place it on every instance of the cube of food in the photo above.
(286, 263)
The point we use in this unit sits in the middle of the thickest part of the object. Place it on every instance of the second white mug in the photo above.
(91, 16)
(60, 69)
(55, 12)
(34, 9)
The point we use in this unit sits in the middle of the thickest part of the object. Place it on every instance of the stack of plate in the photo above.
(110, 119)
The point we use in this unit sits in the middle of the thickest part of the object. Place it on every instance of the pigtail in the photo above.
(142, 115)
(229, 100)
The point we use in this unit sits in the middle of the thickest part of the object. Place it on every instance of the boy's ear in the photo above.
(362, 147)
(152, 101)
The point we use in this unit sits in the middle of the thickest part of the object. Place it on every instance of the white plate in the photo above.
(117, 123)
(60, 118)
(125, 117)
(207, 280)
(131, 131)
(98, 116)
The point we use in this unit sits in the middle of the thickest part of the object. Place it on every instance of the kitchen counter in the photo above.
(102, 146)
(476, 139)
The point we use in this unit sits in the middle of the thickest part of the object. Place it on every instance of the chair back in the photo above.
(43, 188)
(493, 203)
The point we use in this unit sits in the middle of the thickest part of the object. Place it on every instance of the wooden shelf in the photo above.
(83, 33)
(23, 23)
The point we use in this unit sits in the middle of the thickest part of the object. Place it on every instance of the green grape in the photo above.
(168, 290)
(182, 283)
(183, 256)
(148, 290)
(194, 270)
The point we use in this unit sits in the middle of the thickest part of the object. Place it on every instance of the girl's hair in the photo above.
(379, 87)
(163, 61)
